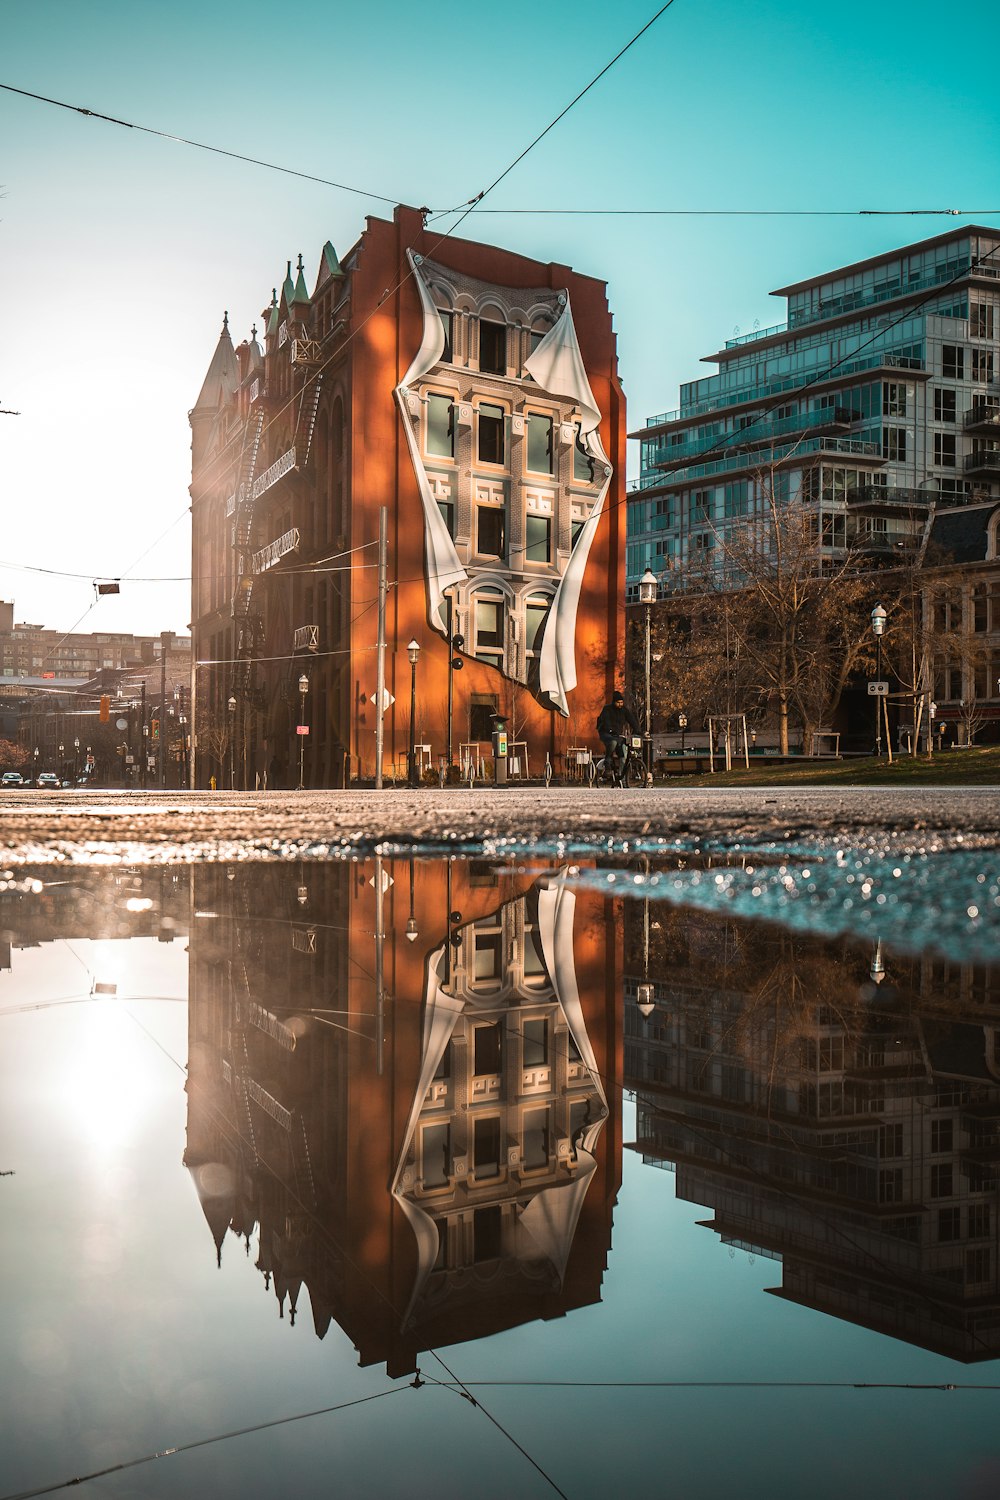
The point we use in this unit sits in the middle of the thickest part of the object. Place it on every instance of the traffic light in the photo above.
(156, 729)
(105, 713)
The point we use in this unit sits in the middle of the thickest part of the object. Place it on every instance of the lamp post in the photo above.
(932, 715)
(878, 626)
(303, 689)
(413, 652)
(231, 705)
(647, 594)
(76, 758)
(62, 767)
(682, 724)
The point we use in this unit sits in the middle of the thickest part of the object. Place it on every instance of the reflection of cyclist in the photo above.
(615, 725)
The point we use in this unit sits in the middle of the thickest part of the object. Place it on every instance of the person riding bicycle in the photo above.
(615, 726)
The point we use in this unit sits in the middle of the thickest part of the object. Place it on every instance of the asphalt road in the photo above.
(41, 826)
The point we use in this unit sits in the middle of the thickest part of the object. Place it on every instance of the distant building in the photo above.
(472, 392)
(28, 651)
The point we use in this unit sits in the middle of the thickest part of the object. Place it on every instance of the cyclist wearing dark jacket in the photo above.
(615, 724)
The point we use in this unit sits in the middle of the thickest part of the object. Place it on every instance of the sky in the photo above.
(120, 250)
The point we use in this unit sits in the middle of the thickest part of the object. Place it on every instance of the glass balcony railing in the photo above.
(755, 334)
(748, 462)
(873, 296)
(753, 435)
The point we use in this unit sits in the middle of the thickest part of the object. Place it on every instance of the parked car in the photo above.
(49, 779)
(12, 778)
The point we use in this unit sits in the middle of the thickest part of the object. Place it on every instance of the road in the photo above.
(37, 825)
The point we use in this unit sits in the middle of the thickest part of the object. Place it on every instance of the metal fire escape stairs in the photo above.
(242, 536)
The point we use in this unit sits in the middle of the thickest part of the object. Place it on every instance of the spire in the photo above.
(329, 266)
(273, 316)
(300, 297)
(288, 289)
(223, 377)
(256, 352)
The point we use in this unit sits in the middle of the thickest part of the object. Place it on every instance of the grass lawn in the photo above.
(978, 766)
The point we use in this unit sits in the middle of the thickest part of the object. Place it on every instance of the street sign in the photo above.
(878, 690)
(302, 729)
(130, 760)
(387, 699)
(121, 723)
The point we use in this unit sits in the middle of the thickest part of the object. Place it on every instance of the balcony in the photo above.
(754, 334)
(983, 416)
(756, 434)
(887, 291)
(986, 462)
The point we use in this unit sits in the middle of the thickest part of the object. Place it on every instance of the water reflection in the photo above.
(403, 1080)
(836, 1107)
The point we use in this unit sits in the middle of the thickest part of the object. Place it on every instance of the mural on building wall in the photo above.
(536, 555)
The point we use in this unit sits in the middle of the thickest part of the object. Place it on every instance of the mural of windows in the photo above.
(486, 1233)
(540, 450)
(489, 620)
(538, 539)
(535, 1148)
(491, 531)
(486, 1147)
(435, 1155)
(487, 1047)
(491, 446)
(535, 614)
(492, 347)
(583, 464)
(440, 425)
(535, 1041)
(448, 322)
(487, 965)
(447, 509)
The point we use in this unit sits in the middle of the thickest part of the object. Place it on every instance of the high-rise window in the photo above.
(440, 425)
(982, 365)
(944, 449)
(944, 405)
(982, 320)
(893, 399)
(491, 446)
(952, 361)
(894, 444)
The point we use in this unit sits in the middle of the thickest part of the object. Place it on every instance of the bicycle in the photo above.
(622, 770)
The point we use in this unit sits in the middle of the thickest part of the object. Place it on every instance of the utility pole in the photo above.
(143, 752)
(383, 521)
(451, 682)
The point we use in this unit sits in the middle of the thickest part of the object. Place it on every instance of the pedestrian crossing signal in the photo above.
(156, 729)
(105, 713)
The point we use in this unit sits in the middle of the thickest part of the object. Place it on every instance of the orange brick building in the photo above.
(474, 394)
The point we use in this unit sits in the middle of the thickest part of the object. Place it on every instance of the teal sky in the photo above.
(120, 250)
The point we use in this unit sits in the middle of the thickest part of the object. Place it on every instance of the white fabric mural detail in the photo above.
(557, 367)
(442, 566)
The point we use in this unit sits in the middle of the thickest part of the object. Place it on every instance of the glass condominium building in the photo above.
(876, 402)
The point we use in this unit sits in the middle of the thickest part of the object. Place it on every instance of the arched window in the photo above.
(489, 618)
(492, 342)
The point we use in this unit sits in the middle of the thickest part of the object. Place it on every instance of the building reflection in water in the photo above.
(836, 1107)
(404, 1083)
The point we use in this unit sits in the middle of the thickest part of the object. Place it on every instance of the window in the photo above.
(952, 361)
(700, 503)
(979, 1220)
(486, 1148)
(492, 426)
(440, 425)
(941, 1136)
(890, 1140)
(492, 347)
(894, 444)
(436, 1155)
(982, 365)
(893, 399)
(539, 443)
(536, 1139)
(949, 1225)
(489, 622)
(981, 320)
(487, 1038)
(978, 1265)
(535, 614)
(538, 539)
(944, 405)
(941, 1180)
(447, 510)
(481, 711)
(944, 449)
(890, 1185)
(583, 464)
(536, 1043)
(443, 1069)
(448, 320)
(491, 539)
(486, 1233)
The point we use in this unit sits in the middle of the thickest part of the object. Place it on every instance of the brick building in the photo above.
(472, 392)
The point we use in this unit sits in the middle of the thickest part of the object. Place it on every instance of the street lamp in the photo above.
(932, 714)
(878, 626)
(303, 689)
(76, 757)
(231, 705)
(647, 595)
(682, 724)
(62, 753)
(413, 652)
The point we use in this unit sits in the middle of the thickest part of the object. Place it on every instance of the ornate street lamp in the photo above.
(682, 724)
(231, 705)
(878, 618)
(303, 689)
(413, 652)
(647, 596)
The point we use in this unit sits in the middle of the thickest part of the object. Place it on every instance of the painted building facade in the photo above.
(474, 394)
